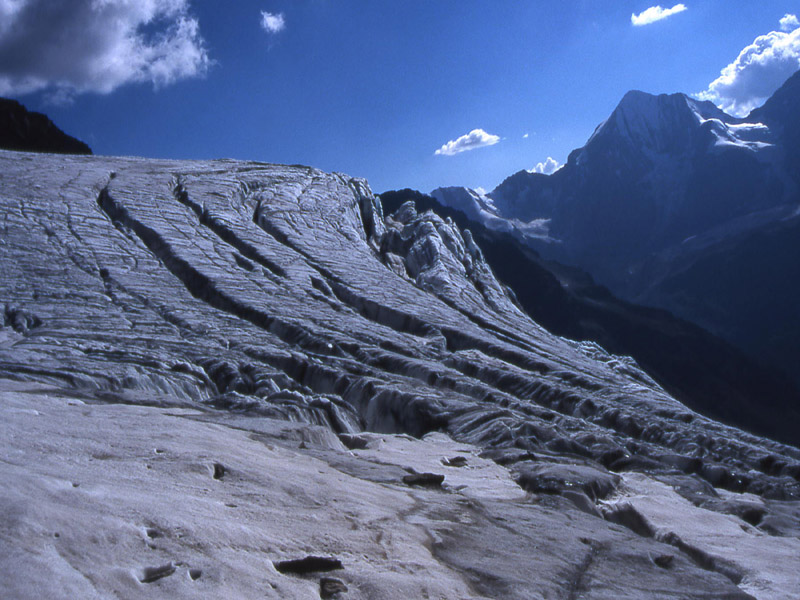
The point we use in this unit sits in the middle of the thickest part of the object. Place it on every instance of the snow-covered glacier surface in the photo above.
(212, 368)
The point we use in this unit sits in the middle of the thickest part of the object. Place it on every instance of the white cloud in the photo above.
(759, 70)
(272, 22)
(548, 167)
(477, 138)
(789, 22)
(77, 46)
(656, 13)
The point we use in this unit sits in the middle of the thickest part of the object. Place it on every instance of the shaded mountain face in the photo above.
(780, 113)
(659, 171)
(746, 288)
(34, 132)
(703, 371)
(662, 187)
(194, 304)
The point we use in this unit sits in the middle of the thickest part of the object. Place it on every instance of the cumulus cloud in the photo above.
(272, 22)
(477, 138)
(548, 167)
(759, 70)
(76, 46)
(655, 13)
(789, 22)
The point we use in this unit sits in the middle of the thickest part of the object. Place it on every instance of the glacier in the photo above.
(209, 369)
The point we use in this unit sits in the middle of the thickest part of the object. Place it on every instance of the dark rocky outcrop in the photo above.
(28, 131)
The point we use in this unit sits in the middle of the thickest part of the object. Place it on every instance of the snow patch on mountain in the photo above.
(480, 207)
(728, 132)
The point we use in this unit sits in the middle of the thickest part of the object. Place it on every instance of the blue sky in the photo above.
(372, 88)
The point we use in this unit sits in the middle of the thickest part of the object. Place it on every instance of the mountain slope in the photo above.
(745, 288)
(660, 170)
(21, 129)
(780, 112)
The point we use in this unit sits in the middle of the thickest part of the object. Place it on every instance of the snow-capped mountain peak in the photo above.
(474, 203)
(668, 129)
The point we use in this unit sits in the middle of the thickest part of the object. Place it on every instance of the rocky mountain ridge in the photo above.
(21, 129)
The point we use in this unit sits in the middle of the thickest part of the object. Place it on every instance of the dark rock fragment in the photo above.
(218, 470)
(195, 574)
(352, 441)
(20, 320)
(424, 479)
(151, 574)
(309, 564)
(664, 560)
(455, 461)
(330, 588)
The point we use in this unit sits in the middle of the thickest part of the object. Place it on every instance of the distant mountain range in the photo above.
(676, 204)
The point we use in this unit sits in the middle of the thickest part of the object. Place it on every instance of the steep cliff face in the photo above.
(250, 291)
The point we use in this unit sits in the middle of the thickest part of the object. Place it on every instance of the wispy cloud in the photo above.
(477, 138)
(759, 70)
(655, 13)
(67, 48)
(272, 22)
(548, 167)
(789, 22)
